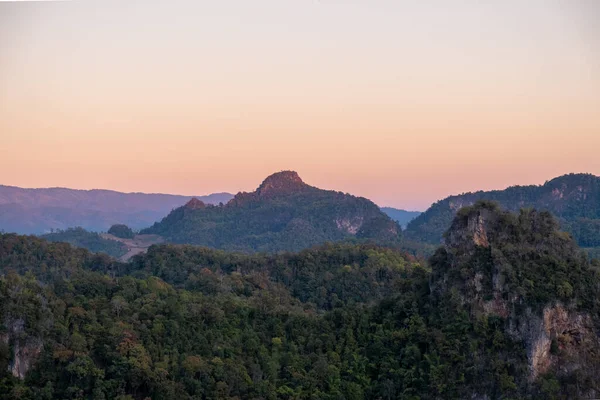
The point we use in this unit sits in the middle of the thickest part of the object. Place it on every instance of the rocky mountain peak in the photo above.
(471, 225)
(281, 182)
(194, 204)
(491, 266)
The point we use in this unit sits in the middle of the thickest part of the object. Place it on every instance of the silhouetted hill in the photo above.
(284, 213)
(41, 210)
(403, 217)
(574, 199)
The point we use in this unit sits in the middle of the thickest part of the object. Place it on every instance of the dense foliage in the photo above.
(518, 250)
(336, 322)
(324, 277)
(92, 241)
(283, 214)
(574, 199)
(121, 231)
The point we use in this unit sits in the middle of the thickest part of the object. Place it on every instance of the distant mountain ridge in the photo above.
(403, 217)
(283, 214)
(574, 199)
(35, 211)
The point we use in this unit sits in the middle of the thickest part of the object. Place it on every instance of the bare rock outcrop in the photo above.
(26, 349)
(349, 225)
(558, 337)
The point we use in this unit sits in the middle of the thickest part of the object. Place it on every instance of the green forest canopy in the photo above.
(336, 322)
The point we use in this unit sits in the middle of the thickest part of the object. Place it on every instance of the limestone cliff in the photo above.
(25, 348)
(523, 270)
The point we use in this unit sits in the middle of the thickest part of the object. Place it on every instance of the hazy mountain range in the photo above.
(35, 211)
(283, 206)
(403, 217)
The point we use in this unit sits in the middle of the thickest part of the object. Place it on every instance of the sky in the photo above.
(403, 102)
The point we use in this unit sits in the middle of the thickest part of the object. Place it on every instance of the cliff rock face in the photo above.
(477, 226)
(471, 229)
(350, 225)
(532, 276)
(194, 204)
(25, 349)
(557, 337)
(281, 182)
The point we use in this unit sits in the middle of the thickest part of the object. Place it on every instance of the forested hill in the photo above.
(88, 240)
(508, 308)
(283, 214)
(37, 211)
(574, 199)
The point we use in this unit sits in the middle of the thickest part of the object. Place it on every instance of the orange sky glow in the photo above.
(401, 102)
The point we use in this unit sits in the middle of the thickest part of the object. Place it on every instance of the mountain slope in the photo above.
(574, 199)
(284, 213)
(92, 241)
(402, 217)
(530, 297)
(40, 210)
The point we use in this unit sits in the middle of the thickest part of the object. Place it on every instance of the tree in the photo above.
(121, 231)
